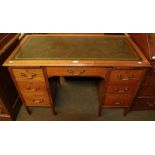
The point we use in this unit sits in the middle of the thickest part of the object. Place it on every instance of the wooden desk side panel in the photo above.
(145, 99)
(8, 93)
(142, 40)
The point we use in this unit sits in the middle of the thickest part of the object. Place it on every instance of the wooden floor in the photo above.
(77, 100)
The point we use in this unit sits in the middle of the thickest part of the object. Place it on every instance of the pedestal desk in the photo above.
(117, 60)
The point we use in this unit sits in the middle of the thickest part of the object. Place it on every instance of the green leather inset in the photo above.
(76, 47)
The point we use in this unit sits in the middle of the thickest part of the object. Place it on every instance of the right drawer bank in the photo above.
(122, 87)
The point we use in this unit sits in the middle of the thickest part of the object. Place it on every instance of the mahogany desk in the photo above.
(115, 59)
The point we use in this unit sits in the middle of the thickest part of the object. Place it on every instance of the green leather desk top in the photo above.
(76, 47)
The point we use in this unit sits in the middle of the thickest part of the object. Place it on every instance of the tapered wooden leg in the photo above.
(58, 82)
(100, 96)
(100, 110)
(28, 110)
(53, 111)
(126, 110)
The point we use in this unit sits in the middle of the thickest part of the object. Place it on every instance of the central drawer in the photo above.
(77, 71)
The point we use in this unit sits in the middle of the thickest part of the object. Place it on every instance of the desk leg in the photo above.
(50, 93)
(100, 96)
(58, 82)
(126, 110)
(53, 111)
(28, 110)
(100, 110)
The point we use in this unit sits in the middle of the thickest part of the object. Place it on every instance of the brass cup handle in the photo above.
(37, 100)
(117, 103)
(151, 104)
(28, 76)
(73, 73)
(33, 89)
(129, 77)
(121, 90)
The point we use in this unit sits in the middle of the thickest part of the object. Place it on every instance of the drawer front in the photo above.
(144, 103)
(150, 79)
(121, 89)
(36, 100)
(112, 100)
(126, 75)
(28, 74)
(32, 87)
(147, 90)
(77, 71)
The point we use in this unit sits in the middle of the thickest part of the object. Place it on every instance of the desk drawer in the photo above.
(77, 71)
(126, 75)
(144, 103)
(117, 100)
(147, 90)
(28, 74)
(36, 100)
(32, 87)
(150, 79)
(121, 89)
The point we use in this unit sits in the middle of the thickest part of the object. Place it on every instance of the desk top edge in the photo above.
(145, 63)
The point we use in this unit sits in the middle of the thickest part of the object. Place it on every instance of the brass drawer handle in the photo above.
(37, 100)
(70, 71)
(121, 90)
(33, 89)
(29, 76)
(73, 73)
(129, 77)
(151, 104)
(117, 103)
